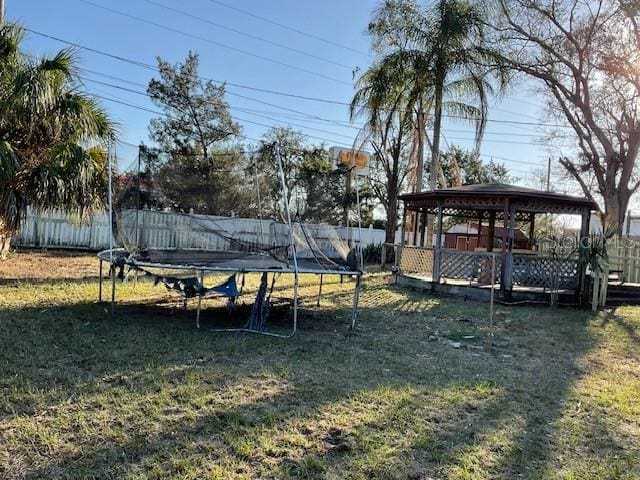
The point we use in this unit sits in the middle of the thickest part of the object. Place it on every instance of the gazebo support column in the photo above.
(581, 291)
(437, 254)
(532, 229)
(404, 225)
(423, 228)
(510, 224)
(492, 231)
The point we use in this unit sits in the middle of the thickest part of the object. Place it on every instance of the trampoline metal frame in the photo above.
(201, 269)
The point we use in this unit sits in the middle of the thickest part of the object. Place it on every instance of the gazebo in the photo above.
(521, 274)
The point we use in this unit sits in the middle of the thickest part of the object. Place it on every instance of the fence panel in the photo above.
(624, 258)
(159, 229)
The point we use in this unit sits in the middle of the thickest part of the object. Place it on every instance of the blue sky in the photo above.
(342, 22)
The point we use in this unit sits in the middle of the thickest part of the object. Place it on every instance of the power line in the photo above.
(248, 35)
(234, 108)
(212, 42)
(299, 125)
(239, 135)
(157, 112)
(155, 69)
(264, 90)
(309, 117)
(287, 27)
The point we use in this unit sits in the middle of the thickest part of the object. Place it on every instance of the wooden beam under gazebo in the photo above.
(516, 271)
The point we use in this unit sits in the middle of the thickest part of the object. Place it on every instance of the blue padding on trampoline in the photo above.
(228, 288)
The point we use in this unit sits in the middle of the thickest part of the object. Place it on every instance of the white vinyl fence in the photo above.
(172, 230)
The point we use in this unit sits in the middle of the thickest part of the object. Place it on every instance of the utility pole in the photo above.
(1, 12)
(549, 175)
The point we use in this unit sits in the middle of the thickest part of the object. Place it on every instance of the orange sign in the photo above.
(345, 158)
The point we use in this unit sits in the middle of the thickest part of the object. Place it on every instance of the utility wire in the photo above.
(245, 34)
(288, 27)
(296, 124)
(264, 90)
(212, 42)
(239, 135)
(236, 118)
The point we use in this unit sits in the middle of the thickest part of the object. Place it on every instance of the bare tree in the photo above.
(585, 55)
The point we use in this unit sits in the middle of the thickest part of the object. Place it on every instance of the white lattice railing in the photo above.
(545, 272)
(417, 260)
(472, 266)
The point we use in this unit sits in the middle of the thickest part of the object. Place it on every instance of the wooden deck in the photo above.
(475, 291)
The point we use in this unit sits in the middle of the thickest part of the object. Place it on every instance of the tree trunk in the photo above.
(5, 243)
(615, 209)
(435, 146)
(435, 157)
(392, 217)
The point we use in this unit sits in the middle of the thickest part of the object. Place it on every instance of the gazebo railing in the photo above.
(471, 266)
(545, 272)
(528, 270)
(415, 260)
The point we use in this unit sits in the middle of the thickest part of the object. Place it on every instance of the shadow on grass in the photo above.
(385, 403)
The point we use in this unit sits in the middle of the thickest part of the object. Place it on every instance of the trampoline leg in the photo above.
(356, 298)
(113, 288)
(319, 291)
(100, 283)
(295, 304)
(199, 301)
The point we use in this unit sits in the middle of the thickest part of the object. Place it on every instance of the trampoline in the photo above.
(279, 248)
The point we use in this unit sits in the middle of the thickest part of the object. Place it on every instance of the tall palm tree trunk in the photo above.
(419, 152)
(437, 126)
(435, 152)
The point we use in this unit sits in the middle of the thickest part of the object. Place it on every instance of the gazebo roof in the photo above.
(476, 201)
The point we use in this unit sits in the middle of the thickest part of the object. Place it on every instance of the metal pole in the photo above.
(138, 199)
(255, 165)
(358, 209)
(100, 283)
(319, 291)
(285, 191)
(113, 287)
(110, 200)
(356, 298)
(199, 299)
(492, 304)
(110, 195)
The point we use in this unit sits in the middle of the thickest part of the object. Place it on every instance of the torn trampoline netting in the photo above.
(167, 214)
(187, 287)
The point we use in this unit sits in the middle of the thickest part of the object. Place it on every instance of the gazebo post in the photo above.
(416, 223)
(503, 273)
(404, 223)
(423, 227)
(437, 257)
(510, 235)
(582, 266)
(532, 228)
(492, 231)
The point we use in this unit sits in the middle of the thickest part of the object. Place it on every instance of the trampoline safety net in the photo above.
(172, 209)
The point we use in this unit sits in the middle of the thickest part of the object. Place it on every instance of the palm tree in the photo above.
(440, 54)
(382, 101)
(52, 137)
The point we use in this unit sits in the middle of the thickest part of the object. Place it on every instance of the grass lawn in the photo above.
(144, 395)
